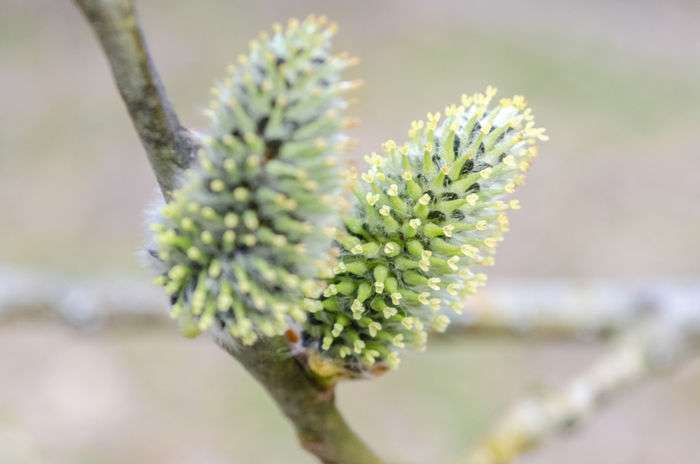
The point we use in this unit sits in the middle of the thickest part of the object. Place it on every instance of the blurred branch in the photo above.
(320, 428)
(560, 310)
(84, 304)
(528, 309)
(661, 343)
(168, 144)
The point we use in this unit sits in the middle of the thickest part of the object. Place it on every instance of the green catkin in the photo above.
(427, 213)
(241, 240)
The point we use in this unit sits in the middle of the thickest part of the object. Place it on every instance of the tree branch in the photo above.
(528, 309)
(560, 309)
(663, 342)
(320, 427)
(169, 145)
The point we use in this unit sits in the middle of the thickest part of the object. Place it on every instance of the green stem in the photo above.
(319, 425)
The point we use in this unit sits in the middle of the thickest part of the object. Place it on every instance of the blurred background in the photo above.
(614, 196)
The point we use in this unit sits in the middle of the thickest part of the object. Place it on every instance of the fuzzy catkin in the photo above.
(427, 213)
(241, 240)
